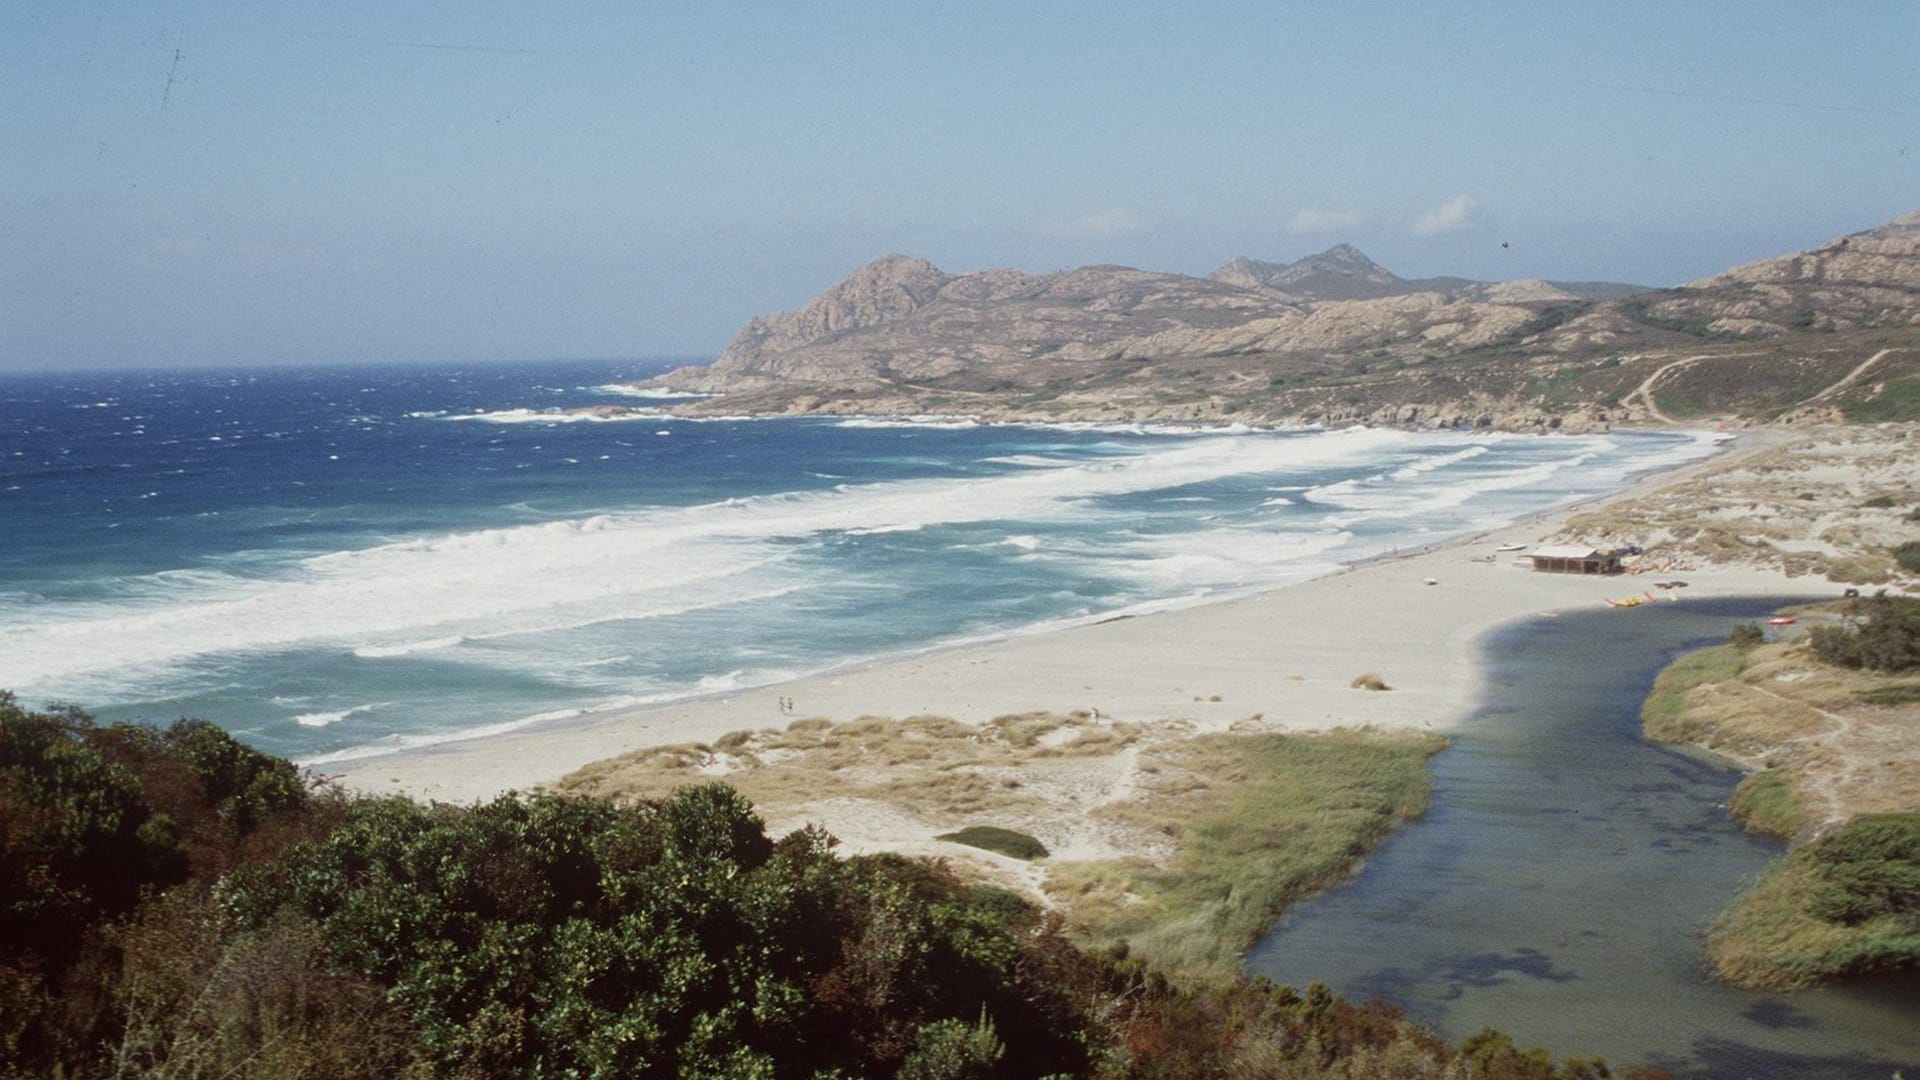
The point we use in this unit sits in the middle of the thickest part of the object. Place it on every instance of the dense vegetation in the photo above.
(1845, 904)
(177, 904)
(1885, 637)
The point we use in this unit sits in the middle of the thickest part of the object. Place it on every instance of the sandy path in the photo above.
(1288, 654)
(1849, 378)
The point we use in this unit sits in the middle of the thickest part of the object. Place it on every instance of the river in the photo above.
(1560, 884)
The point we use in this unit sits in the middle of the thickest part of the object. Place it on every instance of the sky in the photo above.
(189, 182)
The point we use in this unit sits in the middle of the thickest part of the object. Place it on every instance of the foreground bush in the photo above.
(255, 929)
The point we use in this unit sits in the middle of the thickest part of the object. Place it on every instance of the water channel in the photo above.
(1560, 885)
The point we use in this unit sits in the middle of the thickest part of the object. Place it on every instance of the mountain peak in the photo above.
(1343, 260)
(1342, 272)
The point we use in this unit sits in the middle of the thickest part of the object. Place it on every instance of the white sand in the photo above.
(1288, 654)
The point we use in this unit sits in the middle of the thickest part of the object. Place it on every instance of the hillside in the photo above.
(1336, 338)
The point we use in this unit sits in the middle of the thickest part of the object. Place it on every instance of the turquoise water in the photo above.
(337, 562)
(1560, 884)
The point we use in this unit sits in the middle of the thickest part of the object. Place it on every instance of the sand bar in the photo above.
(1289, 655)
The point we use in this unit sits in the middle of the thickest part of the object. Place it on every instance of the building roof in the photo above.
(1566, 551)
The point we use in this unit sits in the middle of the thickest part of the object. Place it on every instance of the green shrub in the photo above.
(1871, 868)
(1016, 845)
(1747, 635)
(1878, 502)
(954, 1050)
(1846, 904)
(1908, 556)
(1886, 639)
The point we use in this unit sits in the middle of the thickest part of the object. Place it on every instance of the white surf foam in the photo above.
(944, 423)
(407, 648)
(1032, 461)
(395, 743)
(326, 719)
(528, 577)
(449, 593)
(1439, 461)
(648, 394)
(555, 416)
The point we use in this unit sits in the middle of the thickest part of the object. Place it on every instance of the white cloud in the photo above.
(1104, 223)
(1451, 216)
(1308, 220)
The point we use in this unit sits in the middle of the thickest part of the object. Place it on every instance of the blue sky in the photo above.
(192, 182)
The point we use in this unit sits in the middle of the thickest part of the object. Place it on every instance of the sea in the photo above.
(335, 562)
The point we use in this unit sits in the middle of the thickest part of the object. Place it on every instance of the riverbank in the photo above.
(1834, 760)
(1559, 884)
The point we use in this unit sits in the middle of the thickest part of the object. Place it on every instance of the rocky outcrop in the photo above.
(1862, 280)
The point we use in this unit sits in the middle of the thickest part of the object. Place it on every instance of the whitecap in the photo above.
(407, 648)
(326, 719)
(649, 394)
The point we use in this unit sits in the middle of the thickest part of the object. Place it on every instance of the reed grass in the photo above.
(1765, 803)
(1664, 716)
(1255, 822)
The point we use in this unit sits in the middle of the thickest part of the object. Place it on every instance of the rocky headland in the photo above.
(1335, 338)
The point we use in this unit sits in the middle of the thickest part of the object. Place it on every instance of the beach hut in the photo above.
(1568, 559)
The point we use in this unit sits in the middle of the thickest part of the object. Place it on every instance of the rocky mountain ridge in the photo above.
(1333, 337)
(1343, 272)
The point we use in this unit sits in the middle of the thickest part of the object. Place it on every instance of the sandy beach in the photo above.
(1287, 657)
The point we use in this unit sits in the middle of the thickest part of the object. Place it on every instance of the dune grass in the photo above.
(1255, 822)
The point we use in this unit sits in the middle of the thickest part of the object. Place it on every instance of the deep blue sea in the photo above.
(340, 561)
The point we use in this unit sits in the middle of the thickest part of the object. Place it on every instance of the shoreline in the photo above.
(1286, 655)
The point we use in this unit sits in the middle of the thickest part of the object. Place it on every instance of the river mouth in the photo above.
(1560, 885)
